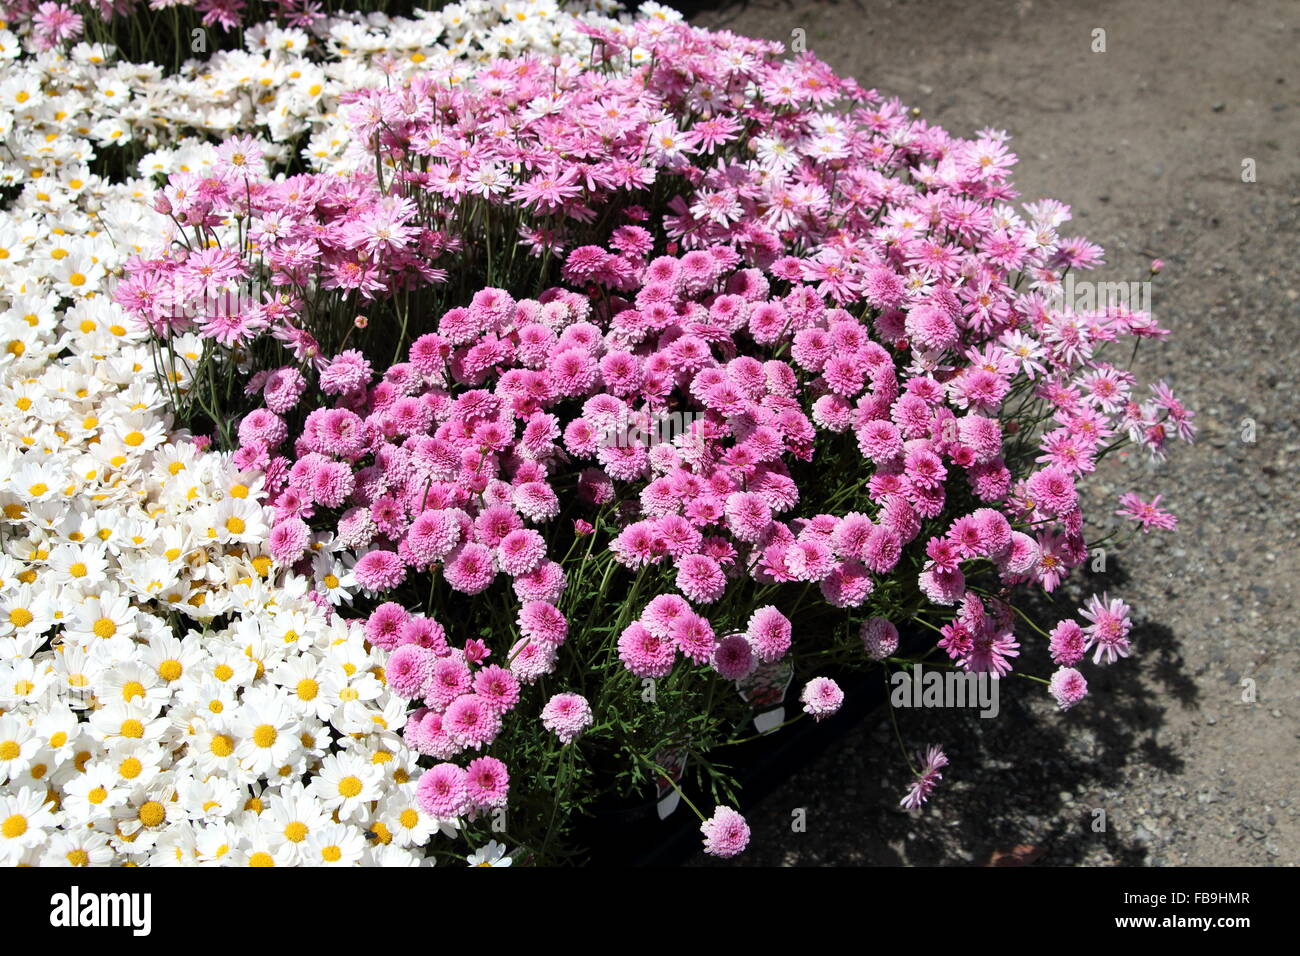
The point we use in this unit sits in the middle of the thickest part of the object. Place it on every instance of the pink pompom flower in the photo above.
(821, 697)
(726, 834)
(379, 571)
(733, 658)
(645, 653)
(769, 633)
(1068, 686)
(470, 721)
(409, 670)
(442, 791)
(487, 782)
(879, 638)
(567, 716)
(288, 541)
(540, 621)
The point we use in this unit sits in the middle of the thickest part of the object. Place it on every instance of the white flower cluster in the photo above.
(285, 87)
(134, 729)
(168, 696)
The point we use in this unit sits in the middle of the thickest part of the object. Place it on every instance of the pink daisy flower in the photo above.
(662, 612)
(264, 427)
(425, 632)
(694, 637)
(1109, 628)
(881, 550)
(544, 583)
(346, 372)
(450, 678)
(989, 652)
(942, 587)
(848, 585)
(1052, 490)
(748, 515)
(932, 762)
(1148, 514)
(282, 389)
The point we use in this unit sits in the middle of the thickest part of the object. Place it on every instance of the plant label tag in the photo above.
(674, 761)
(765, 691)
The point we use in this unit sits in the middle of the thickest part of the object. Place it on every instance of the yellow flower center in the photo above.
(170, 669)
(296, 832)
(152, 813)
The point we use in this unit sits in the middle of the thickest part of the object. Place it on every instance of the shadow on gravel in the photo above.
(1011, 781)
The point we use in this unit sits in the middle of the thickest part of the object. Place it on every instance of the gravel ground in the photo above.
(1146, 142)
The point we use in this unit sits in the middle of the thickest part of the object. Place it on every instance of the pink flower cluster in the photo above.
(834, 282)
(53, 24)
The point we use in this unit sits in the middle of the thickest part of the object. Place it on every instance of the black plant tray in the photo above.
(633, 834)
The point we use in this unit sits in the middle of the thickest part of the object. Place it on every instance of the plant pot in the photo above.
(631, 834)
